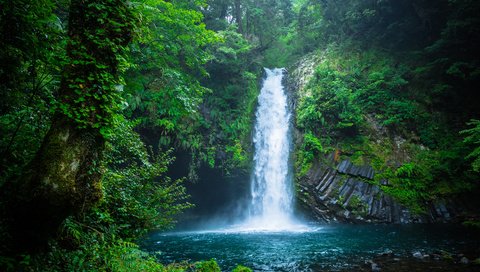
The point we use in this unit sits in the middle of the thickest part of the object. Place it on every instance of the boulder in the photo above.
(417, 254)
(375, 267)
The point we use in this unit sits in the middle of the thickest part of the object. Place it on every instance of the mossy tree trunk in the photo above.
(64, 177)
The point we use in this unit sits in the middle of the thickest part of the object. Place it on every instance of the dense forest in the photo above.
(99, 97)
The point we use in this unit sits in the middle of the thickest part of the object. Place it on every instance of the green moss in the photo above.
(472, 223)
(241, 268)
(341, 200)
(207, 266)
(335, 193)
(355, 202)
(446, 255)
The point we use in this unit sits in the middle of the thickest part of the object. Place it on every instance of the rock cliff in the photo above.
(342, 192)
(334, 189)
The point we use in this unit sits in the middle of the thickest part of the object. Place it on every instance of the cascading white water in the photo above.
(271, 206)
(272, 195)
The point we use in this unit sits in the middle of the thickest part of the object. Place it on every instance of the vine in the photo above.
(98, 36)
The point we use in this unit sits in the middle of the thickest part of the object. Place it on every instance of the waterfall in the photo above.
(272, 194)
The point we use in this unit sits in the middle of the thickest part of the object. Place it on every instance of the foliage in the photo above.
(357, 206)
(388, 24)
(229, 122)
(192, 88)
(98, 35)
(101, 252)
(345, 90)
(241, 268)
(410, 185)
(231, 51)
(229, 109)
(238, 153)
(96, 252)
(312, 144)
(138, 195)
(31, 50)
(472, 224)
(163, 88)
(329, 100)
(21, 132)
(207, 266)
(90, 70)
(453, 62)
(473, 138)
(311, 148)
(260, 21)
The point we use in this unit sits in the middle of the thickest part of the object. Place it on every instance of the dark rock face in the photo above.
(343, 192)
(346, 167)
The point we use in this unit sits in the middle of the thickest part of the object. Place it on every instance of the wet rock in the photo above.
(343, 166)
(375, 267)
(386, 253)
(441, 211)
(349, 198)
(399, 141)
(360, 218)
(365, 171)
(340, 190)
(418, 255)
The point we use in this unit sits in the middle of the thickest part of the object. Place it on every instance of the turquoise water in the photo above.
(331, 247)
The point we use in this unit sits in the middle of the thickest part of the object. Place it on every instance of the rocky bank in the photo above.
(343, 192)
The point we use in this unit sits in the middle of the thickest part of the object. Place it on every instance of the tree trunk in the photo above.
(223, 10)
(64, 177)
(238, 15)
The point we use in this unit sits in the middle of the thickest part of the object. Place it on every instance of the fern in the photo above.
(473, 138)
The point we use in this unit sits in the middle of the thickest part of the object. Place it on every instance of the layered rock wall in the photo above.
(343, 192)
